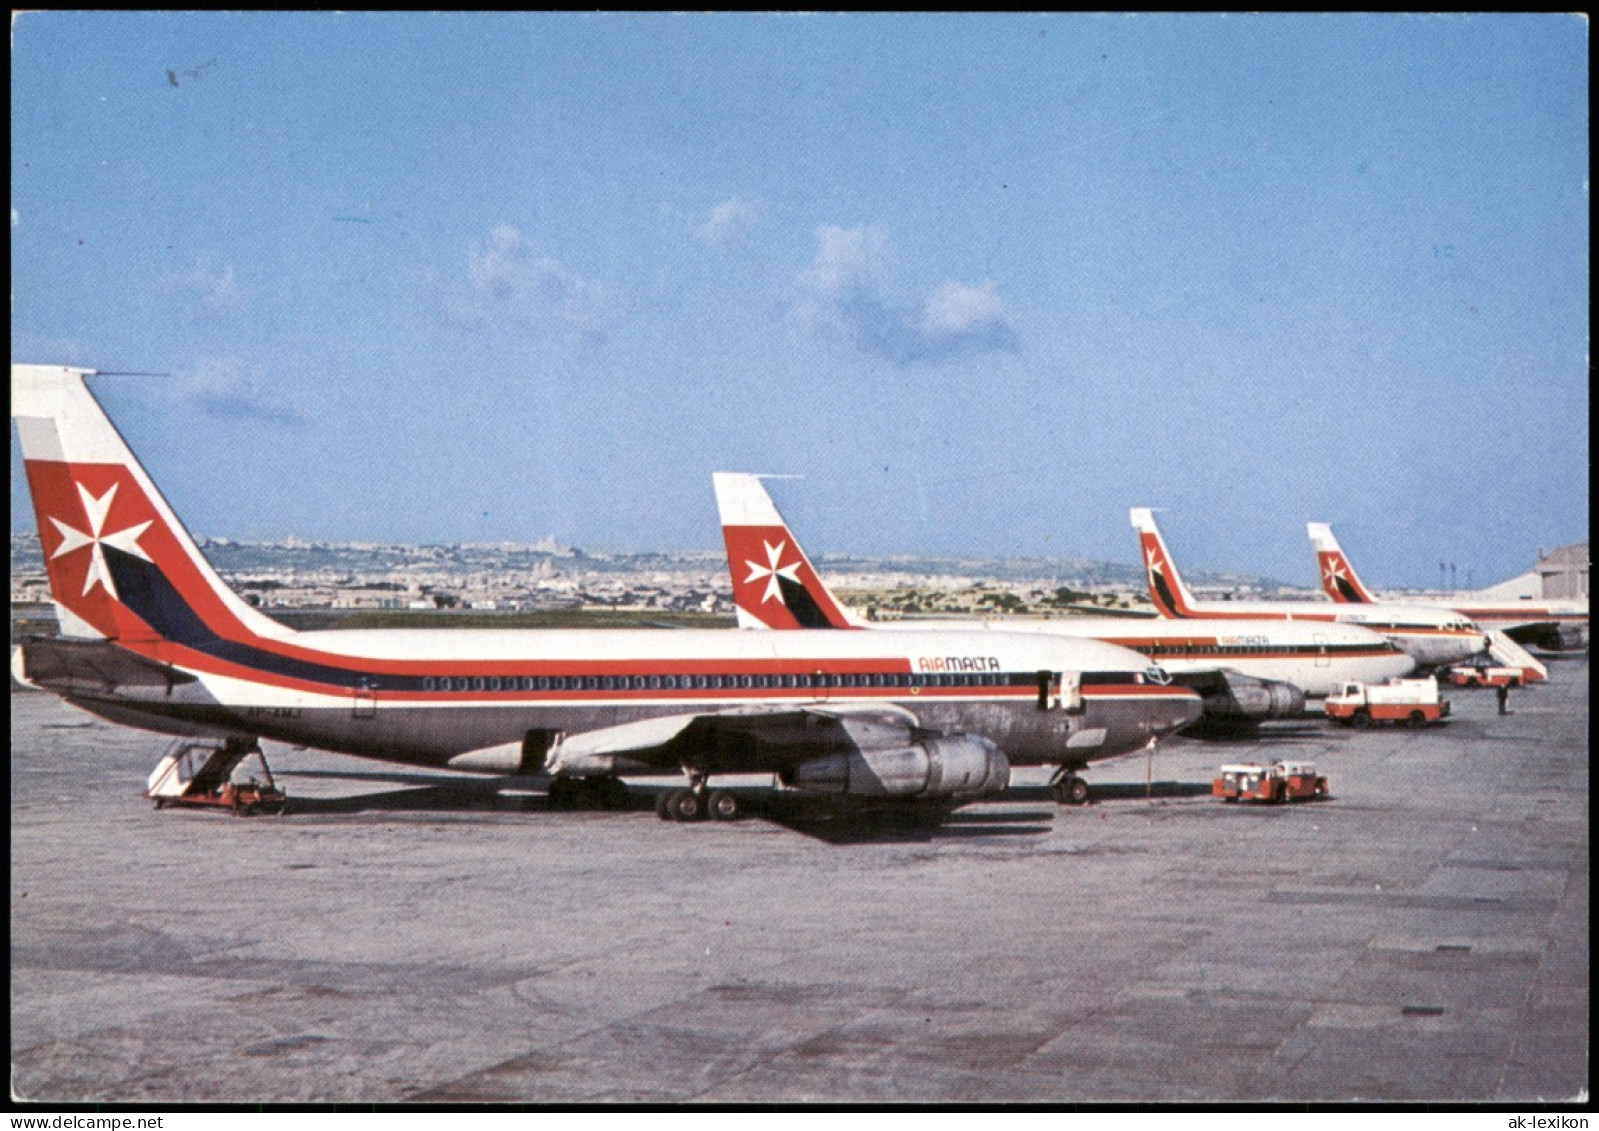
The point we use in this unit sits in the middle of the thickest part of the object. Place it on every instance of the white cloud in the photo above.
(957, 308)
(730, 224)
(218, 288)
(846, 258)
(509, 274)
(229, 388)
(842, 299)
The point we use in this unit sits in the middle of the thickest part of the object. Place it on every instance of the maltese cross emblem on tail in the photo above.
(772, 571)
(97, 537)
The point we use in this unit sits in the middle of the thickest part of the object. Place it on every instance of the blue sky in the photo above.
(984, 281)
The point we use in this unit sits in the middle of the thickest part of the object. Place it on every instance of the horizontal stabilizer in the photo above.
(64, 665)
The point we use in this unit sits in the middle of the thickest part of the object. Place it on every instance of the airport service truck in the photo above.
(1273, 783)
(1484, 675)
(1412, 702)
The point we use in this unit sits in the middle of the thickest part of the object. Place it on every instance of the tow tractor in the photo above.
(234, 777)
(1484, 675)
(1272, 783)
(1413, 702)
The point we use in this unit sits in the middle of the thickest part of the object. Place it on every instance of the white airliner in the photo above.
(1431, 636)
(1547, 624)
(151, 637)
(1245, 670)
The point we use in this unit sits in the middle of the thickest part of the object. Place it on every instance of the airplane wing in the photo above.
(873, 750)
(738, 740)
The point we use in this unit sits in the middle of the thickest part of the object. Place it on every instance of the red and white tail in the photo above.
(774, 585)
(1338, 578)
(1166, 588)
(120, 564)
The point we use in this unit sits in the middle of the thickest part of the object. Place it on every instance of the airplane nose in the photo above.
(1187, 710)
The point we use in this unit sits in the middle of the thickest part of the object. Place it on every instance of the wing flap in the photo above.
(738, 740)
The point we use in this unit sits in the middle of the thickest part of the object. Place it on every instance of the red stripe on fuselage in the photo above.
(1521, 614)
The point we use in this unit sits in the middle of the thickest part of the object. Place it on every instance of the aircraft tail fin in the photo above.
(120, 564)
(774, 585)
(1338, 578)
(1166, 588)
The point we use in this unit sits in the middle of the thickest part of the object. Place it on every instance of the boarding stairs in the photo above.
(1504, 650)
(190, 768)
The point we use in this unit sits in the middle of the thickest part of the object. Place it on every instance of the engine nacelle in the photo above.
(958, 767)
(1571, 637)
(1233, 695)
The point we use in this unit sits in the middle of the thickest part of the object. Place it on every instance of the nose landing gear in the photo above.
(1069, 789)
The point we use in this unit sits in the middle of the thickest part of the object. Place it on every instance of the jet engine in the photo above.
(1552, 637)
(1231, 696)
(958, 767)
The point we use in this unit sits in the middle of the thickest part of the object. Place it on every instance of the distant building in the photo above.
(1559, 575)
(1563, 573)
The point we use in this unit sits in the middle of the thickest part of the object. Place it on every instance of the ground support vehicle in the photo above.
(1411, 702)
(1483, 675)
(233, 776)
(1272, 783)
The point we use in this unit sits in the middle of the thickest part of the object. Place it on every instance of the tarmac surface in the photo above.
(1422, 935)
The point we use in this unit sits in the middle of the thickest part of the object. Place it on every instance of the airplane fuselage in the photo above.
(1317, 660)
(426, 696)
(1429, 638)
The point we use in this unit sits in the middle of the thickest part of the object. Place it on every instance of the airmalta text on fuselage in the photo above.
(957, 663)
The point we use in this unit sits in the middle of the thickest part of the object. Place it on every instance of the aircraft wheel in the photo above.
(1071, 790)
(686, 805)
(663, 804)
(725, 806)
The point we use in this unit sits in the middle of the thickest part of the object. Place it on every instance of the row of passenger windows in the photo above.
(1249, 649)
(720, 682)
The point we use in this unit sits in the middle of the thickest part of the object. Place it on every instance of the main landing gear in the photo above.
(697, 801)
(1068, 789)
(589, 793)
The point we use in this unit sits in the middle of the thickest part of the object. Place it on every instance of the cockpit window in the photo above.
(1157, 675)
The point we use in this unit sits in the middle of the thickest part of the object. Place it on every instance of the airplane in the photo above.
(151, 637)
(1549, 625)
(1433, 637)
(1245, 671)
